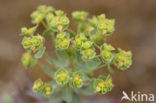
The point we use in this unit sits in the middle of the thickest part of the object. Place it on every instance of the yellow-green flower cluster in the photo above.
(62, 40)
(79, 39)
(41, 12)
(77, 79)
(28, 60)
(83, 49)
(106, 26)
(102, 86)
(47, 90)
(106, 52)
(62, 76)
(87, 50)
(58, 23)
(85, 46)
(38, 85)
(42, 88)
(79, 16)
(33, 43)
(123, 59)
(28, 32)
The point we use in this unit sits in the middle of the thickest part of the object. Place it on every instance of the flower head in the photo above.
(62, 76)
(88, 53)
(47, 90)
(38, 86)
(103, 85)
(106, 53)
(33, 43)
(28, 32)
(77, 79)
(62, 40)
(79, 16)
(123, 59)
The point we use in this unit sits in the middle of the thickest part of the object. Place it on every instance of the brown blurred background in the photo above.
(135, 30)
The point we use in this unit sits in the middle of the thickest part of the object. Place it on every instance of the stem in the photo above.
(96, 46)
(101, 66)
(44, 24)
(49, 60)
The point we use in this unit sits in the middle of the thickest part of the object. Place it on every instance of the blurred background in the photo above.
(135, 30)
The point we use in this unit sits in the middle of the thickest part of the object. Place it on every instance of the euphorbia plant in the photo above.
(79, 53)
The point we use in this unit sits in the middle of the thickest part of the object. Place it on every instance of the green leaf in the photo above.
(86, 91)
(62, 54)
(61, 63)
(56, 63)
(40, 53)
(47, 70)
(110, 68)
(76, 98)
(67, 94)
(53, 84)
(54, 100)
(88, 65)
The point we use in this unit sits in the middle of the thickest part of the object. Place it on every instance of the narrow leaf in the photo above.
(56, 63)
(67, 94)
(89, 65)
(110, 68)
(76, 98)
(47, 70)
(39, 53)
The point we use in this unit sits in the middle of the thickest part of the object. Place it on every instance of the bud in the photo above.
(62, 76)
(38, 86)
(47, 90)
(77, 79)
(79, 16)
(26, 60)
(123, 59)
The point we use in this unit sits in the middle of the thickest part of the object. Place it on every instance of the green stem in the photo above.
(44, 24)
(101, 66)
(49, 60)
(97, 46)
